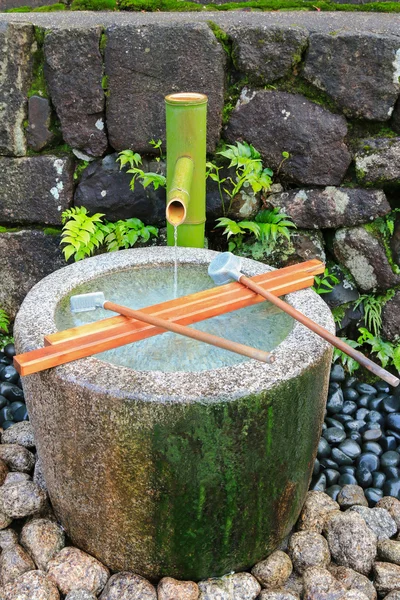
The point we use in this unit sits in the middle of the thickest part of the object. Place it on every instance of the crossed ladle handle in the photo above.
(324, 333)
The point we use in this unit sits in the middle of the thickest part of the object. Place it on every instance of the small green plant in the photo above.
(386, 352)
(83, 234)
(157, 145)
(325, 283)
(373, 306)
(5, 337)
(348, 363)
(268, 227)
(133, 159)
(80, 167)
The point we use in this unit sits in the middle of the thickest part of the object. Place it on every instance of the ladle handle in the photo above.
(329, 337)
(195, 334)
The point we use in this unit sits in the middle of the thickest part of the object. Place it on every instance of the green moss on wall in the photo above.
(38, 85)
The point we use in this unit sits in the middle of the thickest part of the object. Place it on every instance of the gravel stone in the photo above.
(14, 561)
(22, 499)
(387, 577)
(8, 537)
(308, 549)
(391, 312)
(378, 520)
(17, 458)
(393, 596)
(277, 595)
(5, 520)
(128, 586)
(392, 505)
(316, 508)
(42, 539)
(172, 589)
(319, 583)
(294, 585)
(3, 472)
(354, 595)
(20, 433)
(380, 163)
(350, 579)
(351, 542)
(16, 477)
(33, 585)
(80, 595)
(351, 495)
(38, 476)
(274, 570)
(389, 551)
(73, 569)
(239, 586)
(275, 122)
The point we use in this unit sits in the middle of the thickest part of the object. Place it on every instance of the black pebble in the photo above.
(327, 463)
(334, 435)
(332, 476)
(373, 495)
(391, 472)
(7, 424)
(349, 407)
(365, 388)
(324, 449)
(350, 382)
(391, 404)
(393, 421)
(368, 460)
(6, 414)
(351, 448)
(375, 417)
(364, 400)
(382, 386)
(335, 402)
(337, 373)
(348, 469)
(10, 391)
(372, 435)
(378, 479)
(343, 418)
(364, 477)
(334, 423)
(333, 491)
(361, 414)
(21, 414)
(388, 442)
(356, 436)
(373, 447)
(347, 479)
(319, 485)
(317, 467)
(9, 350)
(375, 403)
(3, 402)
(340, 457)
(9, 374)
(390, 459)
(355, 425)
(392, 488)
(395, 434)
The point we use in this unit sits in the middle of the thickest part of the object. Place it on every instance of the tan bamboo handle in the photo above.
(329, 337)
(195, 334)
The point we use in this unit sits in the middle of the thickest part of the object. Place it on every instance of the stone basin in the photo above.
(188, 474)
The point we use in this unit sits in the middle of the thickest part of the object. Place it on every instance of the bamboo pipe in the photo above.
(326, 335)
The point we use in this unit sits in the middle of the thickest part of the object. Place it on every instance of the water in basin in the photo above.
(262, 326)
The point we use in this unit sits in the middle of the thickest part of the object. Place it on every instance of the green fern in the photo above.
(125, 234)
(348, 363)
(372, 306)
(325, 283)
(4, 321)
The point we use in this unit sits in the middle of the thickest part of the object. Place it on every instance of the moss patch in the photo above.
(38, 85)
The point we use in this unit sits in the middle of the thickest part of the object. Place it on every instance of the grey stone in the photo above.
(20, 433)
(351, 495)
(319, 584)
(378, 161)
(16, 477)
(17, 458)
(276, 122)
(331, 207)
(387, 577)
(350, 579)
(33, 585)
(3, 471)
(38, 475)
(138, 80)
(35, 189)
(14, 561)
(392, 505)
(239, 586)
(267, 52)
(277, 595)
(22, 499)
(5, 520)
(389, 551)
(42, 539)
(358, 70)
(72, 569)
(38, 133)
(351, 542)
(308, 549)
(316, 508)
(32, 253)
(391, 318)
(8, 537)
(395, 241)
(393, 596)
(343, 292)
(354, 595)
(245, 205)
(172, 589)
(74, 70)
(128, 586)
(274, 571)
(294, 585)
(304, 244)
(364, 256)
(16, 43)
(80, 595)
(104, 188)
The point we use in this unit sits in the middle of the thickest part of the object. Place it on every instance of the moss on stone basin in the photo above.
(182, 474)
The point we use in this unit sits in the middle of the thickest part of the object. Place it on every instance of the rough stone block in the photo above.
(16, 45)
(360, 71)
(35, 189)
(378, 161)
(25, 258)
(331, 207)
(138, 80)
(104, 188)
(391, 319)
(74, 70)
(364, 256)
(267, 52)
(39, 113)
(276, 122)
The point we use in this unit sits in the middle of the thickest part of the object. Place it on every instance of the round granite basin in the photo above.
(194, 465)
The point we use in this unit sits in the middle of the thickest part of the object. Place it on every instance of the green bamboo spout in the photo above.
(186, 168)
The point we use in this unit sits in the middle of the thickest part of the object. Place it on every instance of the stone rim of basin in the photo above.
(295, 354)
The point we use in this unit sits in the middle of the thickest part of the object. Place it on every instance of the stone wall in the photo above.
(323, 87)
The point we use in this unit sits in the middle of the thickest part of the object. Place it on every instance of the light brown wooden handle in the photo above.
(195, 334)
(324, 333)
